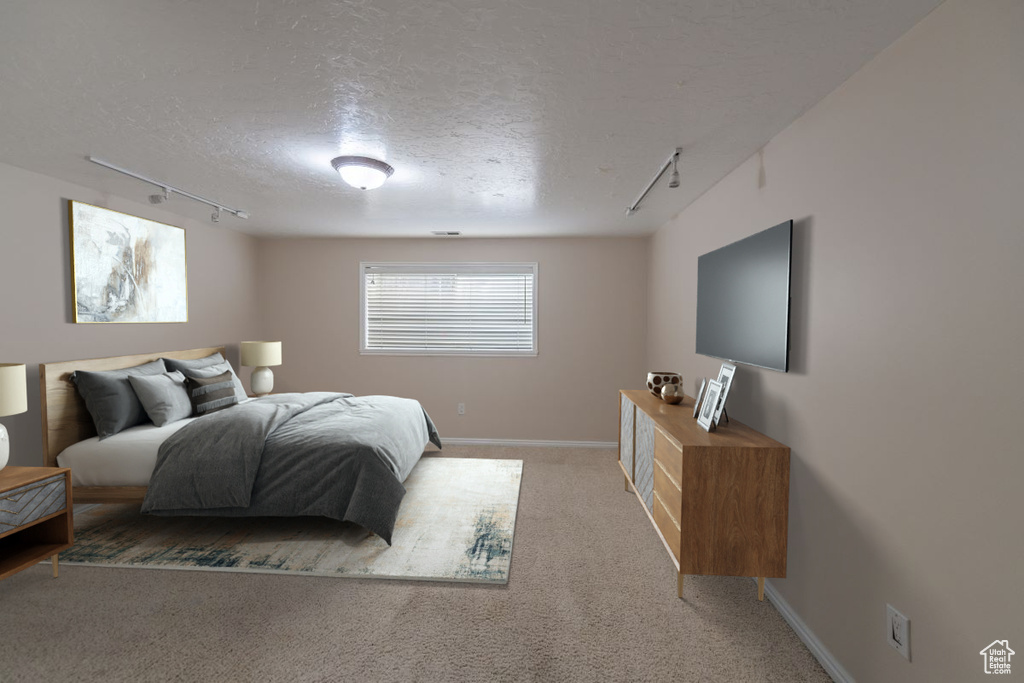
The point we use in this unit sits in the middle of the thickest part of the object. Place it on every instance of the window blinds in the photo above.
(453, 308)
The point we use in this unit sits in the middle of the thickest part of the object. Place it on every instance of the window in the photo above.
(486, 309)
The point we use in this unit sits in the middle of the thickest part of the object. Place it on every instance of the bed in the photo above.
(324, 454)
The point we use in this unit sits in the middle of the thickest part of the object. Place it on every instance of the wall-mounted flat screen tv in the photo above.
(743, 300)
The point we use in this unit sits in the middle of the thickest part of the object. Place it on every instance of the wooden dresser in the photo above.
(719, 500)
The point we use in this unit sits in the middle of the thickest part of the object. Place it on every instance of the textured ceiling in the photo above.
(501, 117)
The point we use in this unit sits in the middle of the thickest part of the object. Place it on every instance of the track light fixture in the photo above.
(362, 173)
(673, 180)
(168, 190)
(160, 198)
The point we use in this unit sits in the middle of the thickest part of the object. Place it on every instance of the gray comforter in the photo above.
(322, 454)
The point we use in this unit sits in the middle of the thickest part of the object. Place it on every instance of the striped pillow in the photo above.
(210, 394)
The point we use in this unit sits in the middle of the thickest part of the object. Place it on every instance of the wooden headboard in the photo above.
(65, 418)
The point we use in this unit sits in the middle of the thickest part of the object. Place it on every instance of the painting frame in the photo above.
(125, 268)
(706, 419)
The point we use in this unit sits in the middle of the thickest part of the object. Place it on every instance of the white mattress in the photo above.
(125, 459)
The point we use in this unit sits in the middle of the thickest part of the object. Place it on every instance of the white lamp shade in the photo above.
(261, 354)
(13, 392)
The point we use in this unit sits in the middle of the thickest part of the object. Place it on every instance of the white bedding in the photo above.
(125, 459)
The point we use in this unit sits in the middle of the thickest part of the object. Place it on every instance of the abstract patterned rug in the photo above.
(456, 523)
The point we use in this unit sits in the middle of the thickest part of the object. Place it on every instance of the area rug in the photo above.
(456, 523)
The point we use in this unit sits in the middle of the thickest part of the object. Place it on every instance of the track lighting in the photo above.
(362, 173)
(673, 180)
(168, 190)
(160, 198)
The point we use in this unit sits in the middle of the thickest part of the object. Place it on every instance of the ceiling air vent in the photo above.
(445, 233)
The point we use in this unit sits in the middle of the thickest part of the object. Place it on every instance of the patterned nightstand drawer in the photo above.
(28, 503)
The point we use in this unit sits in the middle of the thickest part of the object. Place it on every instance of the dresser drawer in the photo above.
(670, 456)
(643, 458)
(26, 504)
(627, 418)
(670, 494)
(667, 524)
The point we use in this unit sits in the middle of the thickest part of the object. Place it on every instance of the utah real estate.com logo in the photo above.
(997, 657)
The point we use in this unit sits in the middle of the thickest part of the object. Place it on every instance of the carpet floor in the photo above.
(591, 597)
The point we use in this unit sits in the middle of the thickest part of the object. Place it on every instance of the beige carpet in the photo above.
(456, 523)
(591, 597)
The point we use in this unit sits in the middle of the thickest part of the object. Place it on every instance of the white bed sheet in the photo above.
(125, 459)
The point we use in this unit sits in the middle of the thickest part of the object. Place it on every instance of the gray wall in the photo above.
(36, 319)
(591, 323)
(904, 394)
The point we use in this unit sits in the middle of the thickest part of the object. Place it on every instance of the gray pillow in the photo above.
(110, 399)
(218, 369)
(186, 365)
(164, 397)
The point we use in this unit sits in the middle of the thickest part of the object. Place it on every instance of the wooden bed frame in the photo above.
(66, 420)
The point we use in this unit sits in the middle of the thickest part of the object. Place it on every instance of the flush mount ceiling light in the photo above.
(362, 173)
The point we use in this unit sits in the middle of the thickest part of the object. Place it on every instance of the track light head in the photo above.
(241, 214)
(160, 198)
(673, 180)
(215, 217)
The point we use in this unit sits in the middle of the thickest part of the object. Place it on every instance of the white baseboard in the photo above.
(828, 662)
(522, 442)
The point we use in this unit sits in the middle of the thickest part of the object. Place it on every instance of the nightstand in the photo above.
(35, 516)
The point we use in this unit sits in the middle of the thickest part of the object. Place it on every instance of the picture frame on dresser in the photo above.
(707, 411)
(700, 395)
(725, 376)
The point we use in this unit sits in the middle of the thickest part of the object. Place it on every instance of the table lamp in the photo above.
(13, 400)
(260, 355)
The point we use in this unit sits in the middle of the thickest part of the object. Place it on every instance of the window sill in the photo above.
(462, 354)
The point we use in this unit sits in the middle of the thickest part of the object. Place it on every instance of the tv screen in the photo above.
(743, 300)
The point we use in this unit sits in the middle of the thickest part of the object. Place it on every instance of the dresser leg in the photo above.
(54, 558)
(679, 586)
(760, 588)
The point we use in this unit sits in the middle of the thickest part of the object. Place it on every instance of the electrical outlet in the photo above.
(462, 409)
(897, 631)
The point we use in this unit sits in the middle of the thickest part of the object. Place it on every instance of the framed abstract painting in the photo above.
(126, 269)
